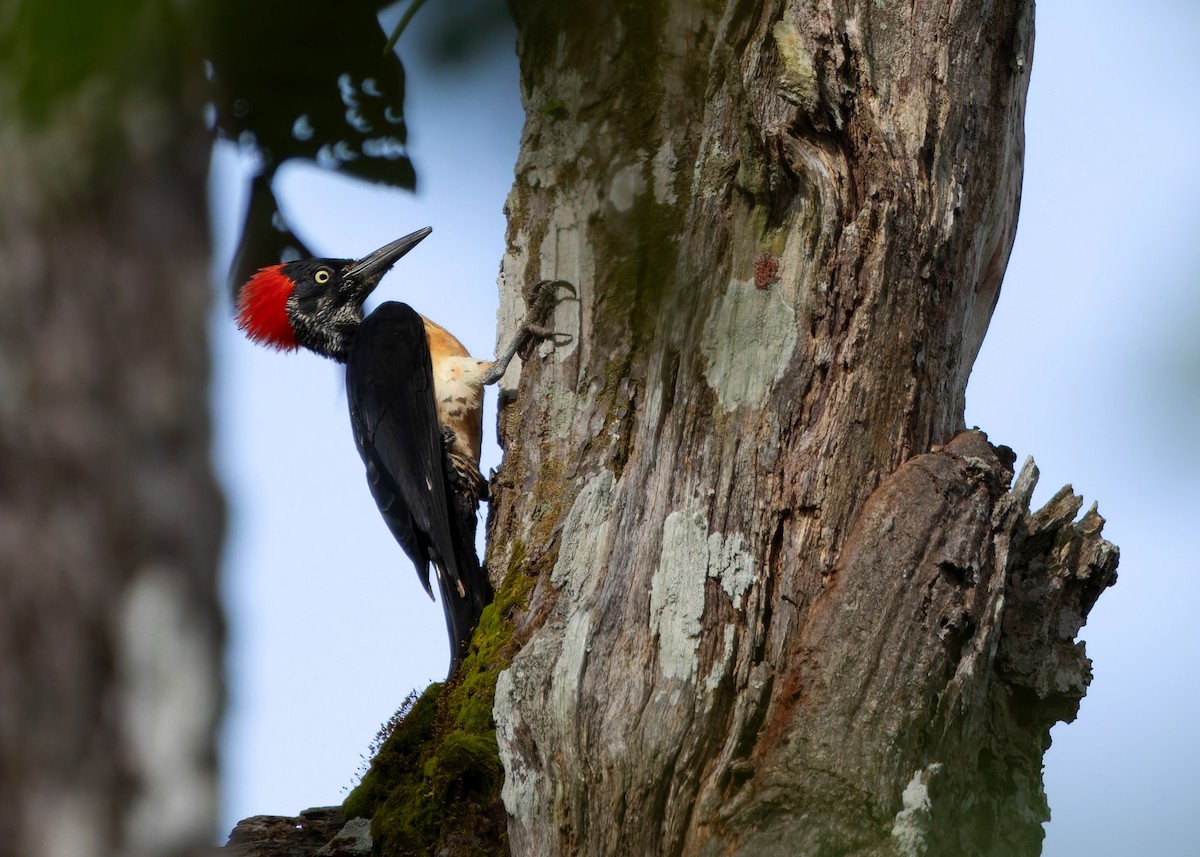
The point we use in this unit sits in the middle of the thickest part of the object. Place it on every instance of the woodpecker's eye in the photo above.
(322, 276)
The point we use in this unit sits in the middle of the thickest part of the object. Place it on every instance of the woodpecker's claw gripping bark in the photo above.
(541, 299)
(542, 296)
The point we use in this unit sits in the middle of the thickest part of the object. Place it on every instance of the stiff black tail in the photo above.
(463, 608)
(463, 600)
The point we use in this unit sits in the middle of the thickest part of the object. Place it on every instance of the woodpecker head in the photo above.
(317, 303)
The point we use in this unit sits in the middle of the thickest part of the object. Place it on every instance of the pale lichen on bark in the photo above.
(913, 822)
(677, 594)
(690, 557)
(748, 344)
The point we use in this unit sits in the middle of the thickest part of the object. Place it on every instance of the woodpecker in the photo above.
(415, 397)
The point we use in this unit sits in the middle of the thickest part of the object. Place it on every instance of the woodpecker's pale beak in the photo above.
(370, 268)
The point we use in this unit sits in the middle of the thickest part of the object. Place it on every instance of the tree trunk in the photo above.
(110, 518)
(783, 603)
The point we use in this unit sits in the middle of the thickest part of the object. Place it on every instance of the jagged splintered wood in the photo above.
(783, 605)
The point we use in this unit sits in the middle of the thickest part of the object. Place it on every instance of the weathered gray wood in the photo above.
(771, 617)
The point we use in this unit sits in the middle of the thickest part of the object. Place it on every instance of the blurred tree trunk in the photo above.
(783, 603)
(110, 518)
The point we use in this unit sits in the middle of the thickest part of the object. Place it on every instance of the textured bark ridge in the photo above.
(947, 627)
(768, 618)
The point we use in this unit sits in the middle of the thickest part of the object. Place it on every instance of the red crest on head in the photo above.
(262, 309)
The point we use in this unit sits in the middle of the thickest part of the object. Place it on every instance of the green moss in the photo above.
(466, 764)
(403, 739)
(555, 108)
(437, 773)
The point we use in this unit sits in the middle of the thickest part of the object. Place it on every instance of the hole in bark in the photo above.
(738, 773)
(668, 380)
(956, 575)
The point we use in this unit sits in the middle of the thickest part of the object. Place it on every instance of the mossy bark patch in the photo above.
(434, 784)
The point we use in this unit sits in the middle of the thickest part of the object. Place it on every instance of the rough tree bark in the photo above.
(784, 604)
(110, 518)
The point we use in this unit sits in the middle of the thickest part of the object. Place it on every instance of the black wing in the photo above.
(389, 382)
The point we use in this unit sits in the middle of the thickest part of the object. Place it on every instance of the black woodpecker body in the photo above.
(415, 399)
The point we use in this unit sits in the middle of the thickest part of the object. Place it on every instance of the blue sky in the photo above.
(1091, 365)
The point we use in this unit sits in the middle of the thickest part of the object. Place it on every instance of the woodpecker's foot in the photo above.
(541, 298)
(525, 333)
(462, 473)
(536, 331)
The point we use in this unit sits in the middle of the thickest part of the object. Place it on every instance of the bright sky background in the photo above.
(1092, 365)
